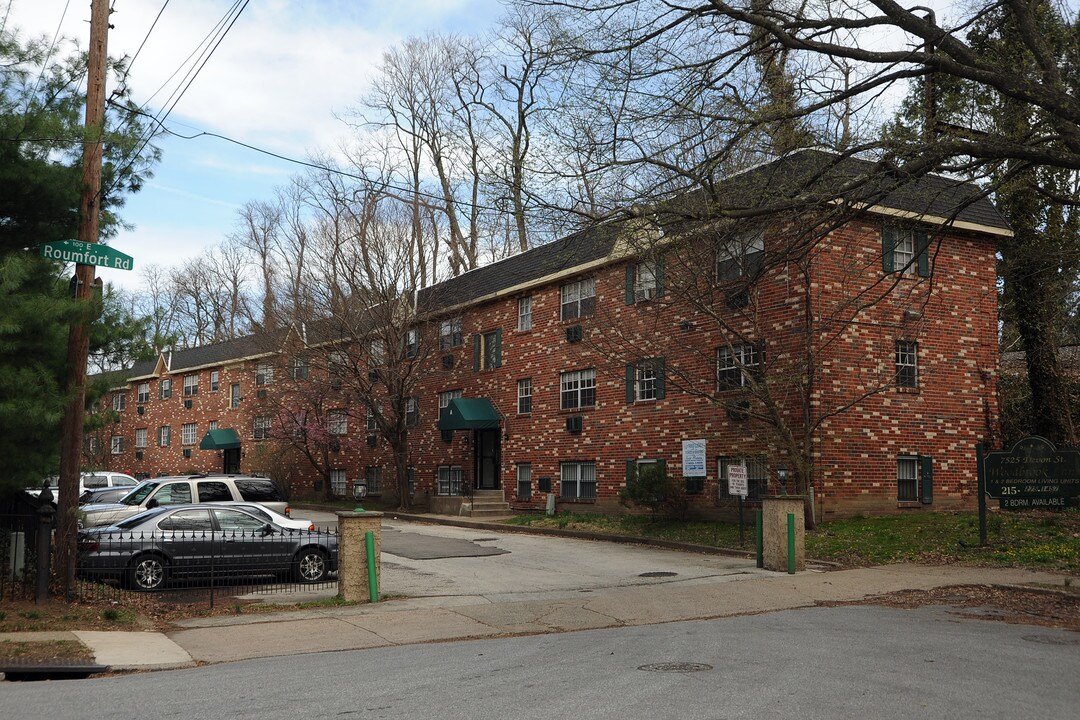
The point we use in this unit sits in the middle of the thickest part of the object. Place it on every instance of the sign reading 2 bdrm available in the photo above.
(73, 251)
(1033, 475)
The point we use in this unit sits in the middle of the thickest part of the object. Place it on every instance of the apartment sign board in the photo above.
(1033, 475)
(73, 251)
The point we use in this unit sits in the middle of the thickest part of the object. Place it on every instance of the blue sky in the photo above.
(275, 82)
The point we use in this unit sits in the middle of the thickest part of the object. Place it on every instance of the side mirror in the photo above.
(267, 529)
(152, 503)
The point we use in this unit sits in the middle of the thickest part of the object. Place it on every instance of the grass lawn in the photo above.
(1039, 540)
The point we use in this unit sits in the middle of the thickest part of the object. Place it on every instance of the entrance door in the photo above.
(487, 459)
(231, 462)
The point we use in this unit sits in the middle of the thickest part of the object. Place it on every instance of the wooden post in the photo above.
(78, 336)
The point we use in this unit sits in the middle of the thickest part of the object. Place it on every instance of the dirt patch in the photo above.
(51, 652)
(1058, 608)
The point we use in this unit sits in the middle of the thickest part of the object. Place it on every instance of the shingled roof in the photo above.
(803, 179)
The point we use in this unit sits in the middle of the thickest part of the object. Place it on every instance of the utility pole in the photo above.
(78, 337)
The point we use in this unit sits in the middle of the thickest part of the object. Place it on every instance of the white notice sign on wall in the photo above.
(693, 458)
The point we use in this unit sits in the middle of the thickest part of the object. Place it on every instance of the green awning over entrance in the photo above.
(225, 439)
(469, 414)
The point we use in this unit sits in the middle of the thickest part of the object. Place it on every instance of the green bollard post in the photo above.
(760, 540)
(791, 543)
(372, 576)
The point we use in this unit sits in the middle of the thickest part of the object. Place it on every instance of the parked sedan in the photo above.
(148, 550)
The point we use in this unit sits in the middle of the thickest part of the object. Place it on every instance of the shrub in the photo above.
(653, 488)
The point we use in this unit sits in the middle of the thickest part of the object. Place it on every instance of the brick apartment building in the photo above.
(852, 343)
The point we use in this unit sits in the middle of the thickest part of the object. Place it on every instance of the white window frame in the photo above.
(577, 480)
(165, 388)
(646, 375)
(141, 437)
(448, 480)
(144, 392)
(446, 396)
(264, 373)
(339, 481)
(645, 285)
(907, 364)
(412, 411)
(164, 435)
(450, 333)
(260, 427)
(905, 250)
(576, 385)
(119, 401)
(234, 395)
(907, 474)
(525, 319)
(215, 380)
(575, 297)
(116, 444)
(191, 385)
(337, 422)
(524, 395)
(736, 362)
(373, 478)
(189, 433)
(524, 480)
(733, 259)
(298, 369)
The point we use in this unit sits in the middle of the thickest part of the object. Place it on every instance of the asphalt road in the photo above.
(850, 662)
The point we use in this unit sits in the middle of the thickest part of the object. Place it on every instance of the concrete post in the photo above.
(352, 558)
(775, 511)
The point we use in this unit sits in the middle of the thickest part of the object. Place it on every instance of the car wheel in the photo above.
(148, 572)
(311, 565)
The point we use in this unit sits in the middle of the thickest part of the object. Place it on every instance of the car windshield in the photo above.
(140, 493)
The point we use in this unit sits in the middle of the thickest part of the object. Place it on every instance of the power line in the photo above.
(135, 57)
(305, 163)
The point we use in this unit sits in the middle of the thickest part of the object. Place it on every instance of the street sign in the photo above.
(73, 251)
(736, 481)
(1033, 475)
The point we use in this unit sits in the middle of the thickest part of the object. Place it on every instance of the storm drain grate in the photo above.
(676, 667)
(1052, 640)
(658, 573)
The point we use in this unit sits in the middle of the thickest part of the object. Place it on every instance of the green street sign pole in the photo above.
(980, 473)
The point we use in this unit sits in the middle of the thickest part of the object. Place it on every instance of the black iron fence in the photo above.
(191, 565)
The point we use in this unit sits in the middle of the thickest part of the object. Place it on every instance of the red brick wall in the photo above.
(855, 450)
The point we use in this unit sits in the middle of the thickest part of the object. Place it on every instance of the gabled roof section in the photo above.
(210, 355)
(810, 177)
(577, 250)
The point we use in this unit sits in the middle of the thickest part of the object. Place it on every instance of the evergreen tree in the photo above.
(40, 179)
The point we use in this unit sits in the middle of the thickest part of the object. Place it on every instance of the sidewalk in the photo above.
(403, 622)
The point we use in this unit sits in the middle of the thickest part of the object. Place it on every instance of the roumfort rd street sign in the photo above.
(73, 251)
(1033, 475)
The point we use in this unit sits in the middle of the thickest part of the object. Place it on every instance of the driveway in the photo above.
(452, 565)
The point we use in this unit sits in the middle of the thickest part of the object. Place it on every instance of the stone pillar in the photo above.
(774, 511)
(352, 554)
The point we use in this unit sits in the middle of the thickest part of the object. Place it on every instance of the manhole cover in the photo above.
(658, 573)
(676, 667)
(1052, 640)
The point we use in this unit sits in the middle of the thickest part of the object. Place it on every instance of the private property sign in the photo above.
(1033, 475)
(73, 251)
